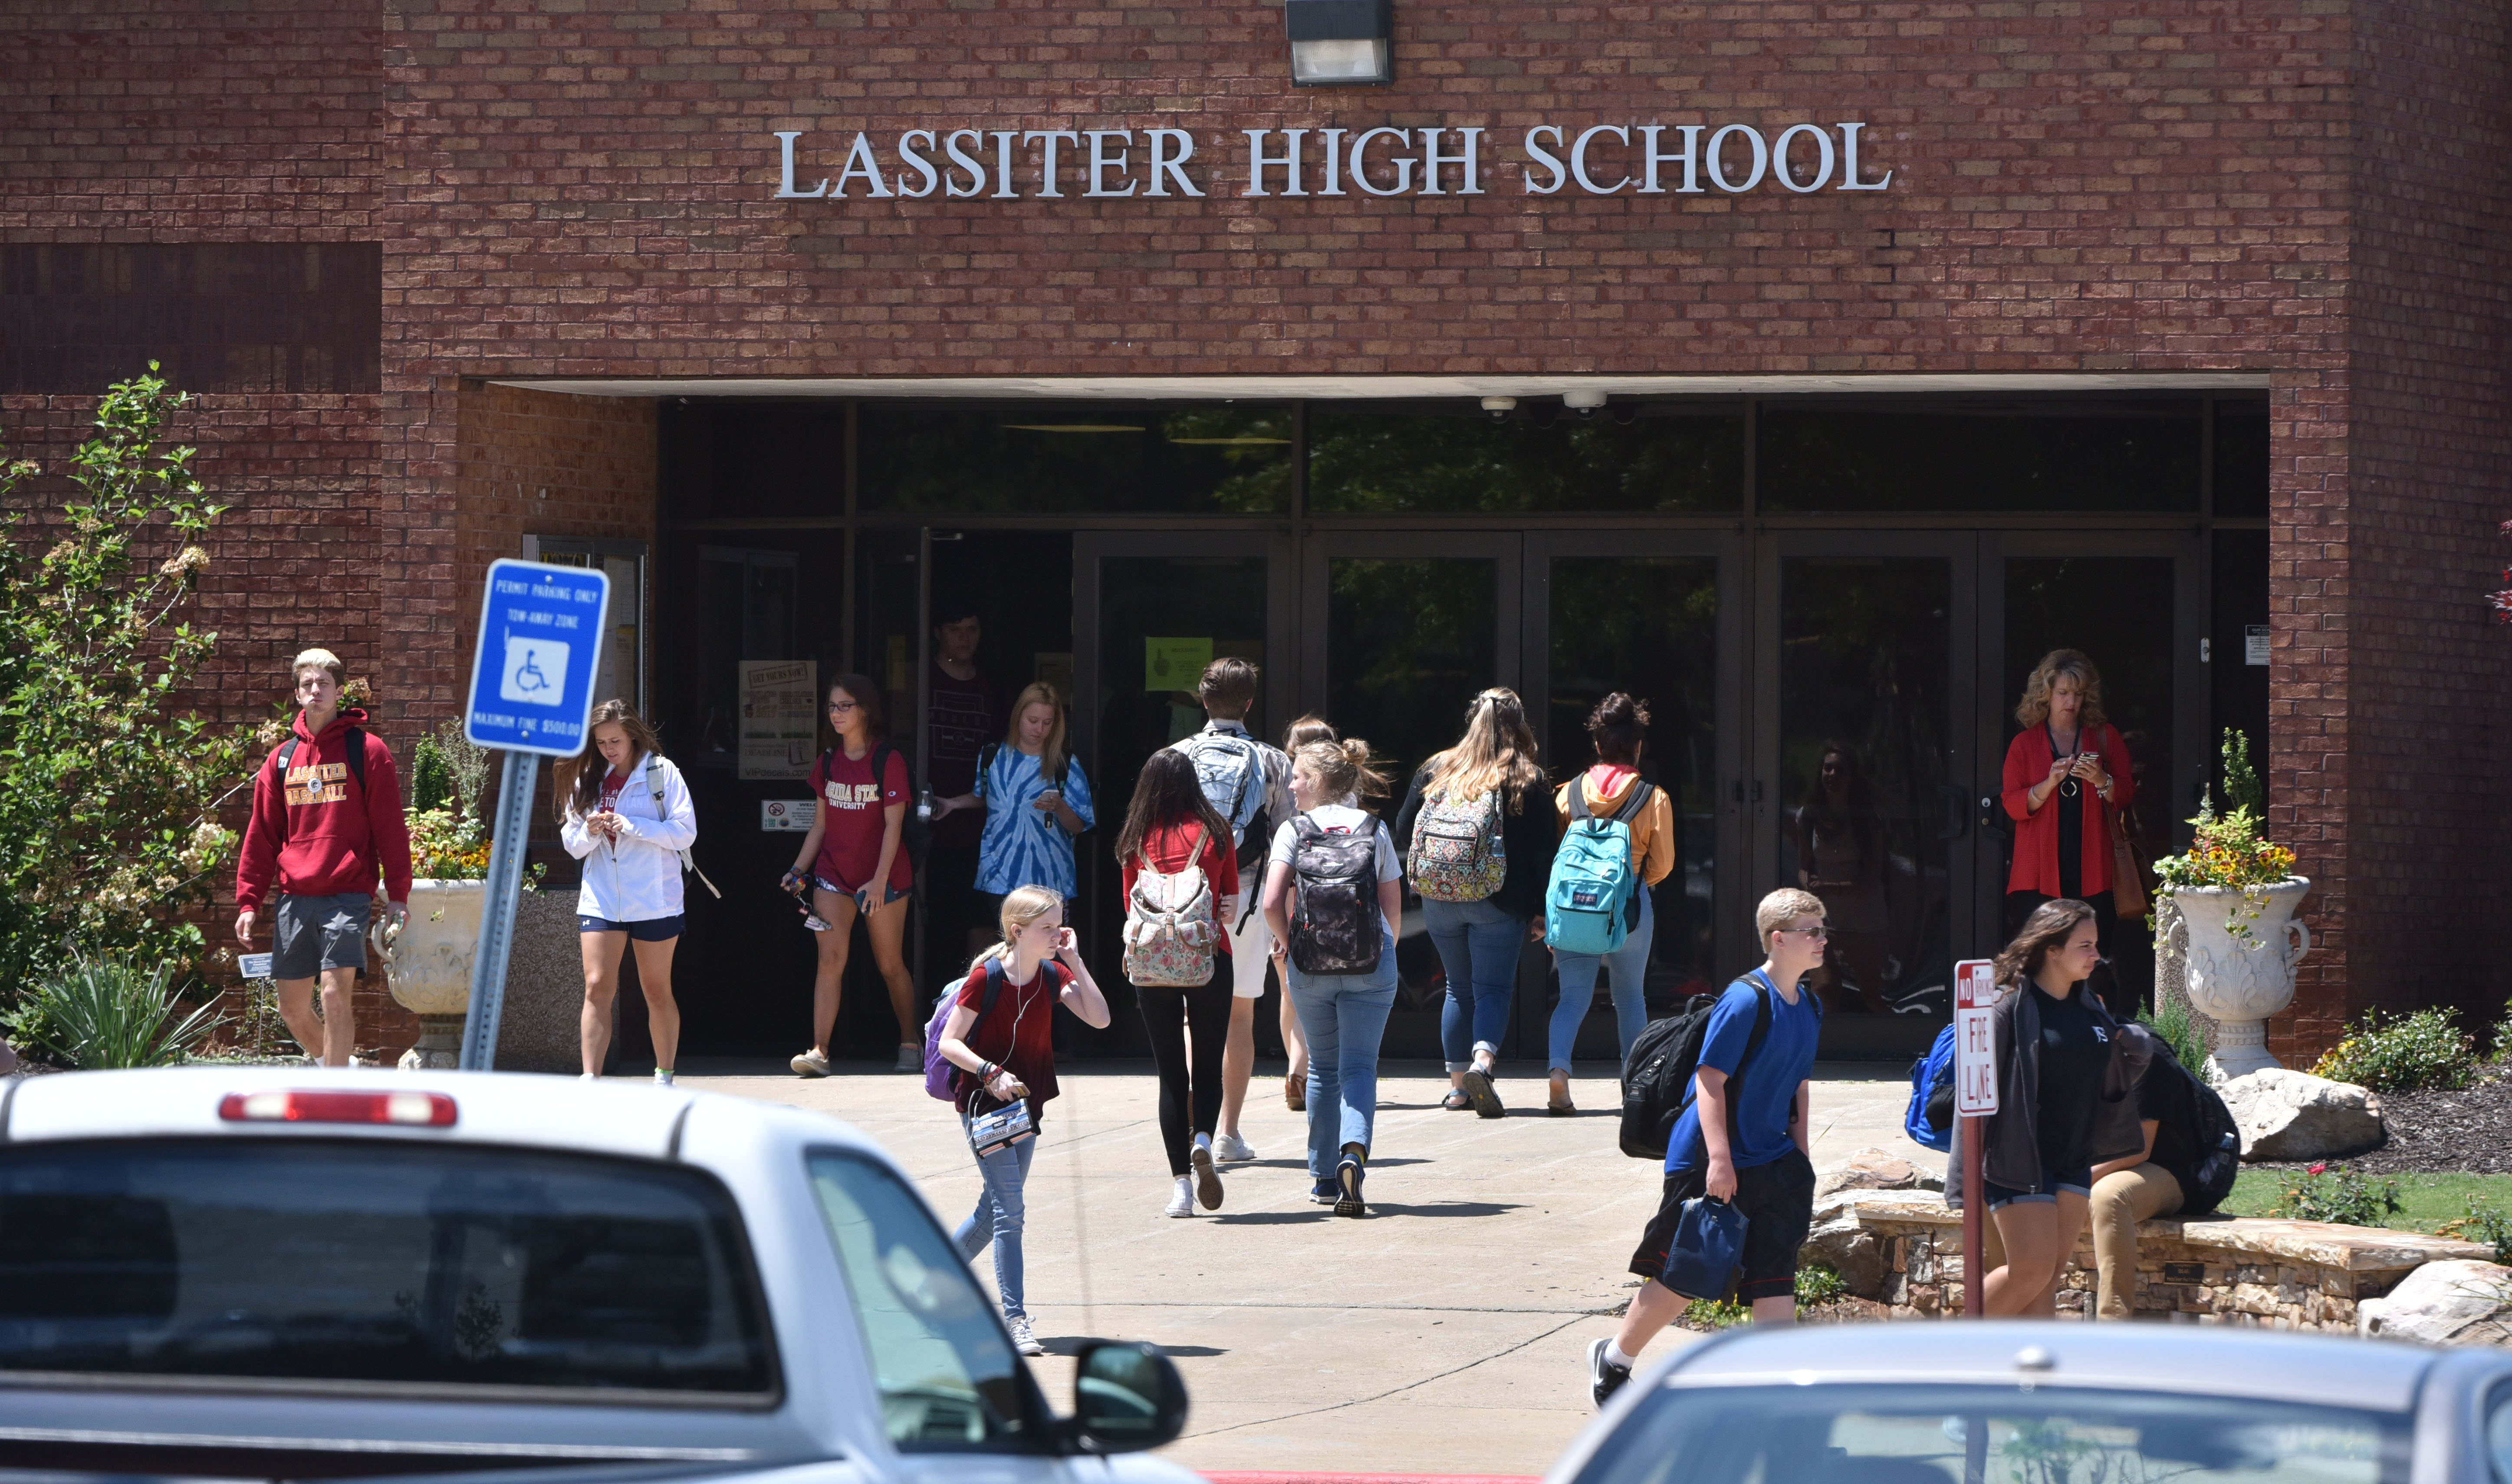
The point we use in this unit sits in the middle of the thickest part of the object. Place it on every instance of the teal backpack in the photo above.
(1594, 900)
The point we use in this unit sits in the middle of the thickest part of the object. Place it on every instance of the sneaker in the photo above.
(1324, 1192)
(1207, 1180)
(1479, 1092)
(662, 1076)
(1181, 1199)
(588, 1077)
(911, 1059)
(813, 1062)
(1023, 1340)
(1604, 1378)
(1230, 1148)
(1348, 1201)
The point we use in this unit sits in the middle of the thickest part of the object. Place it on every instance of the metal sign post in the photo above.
(1974, 1098)
(531, 696)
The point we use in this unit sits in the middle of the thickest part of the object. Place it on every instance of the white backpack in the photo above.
(1170, 931)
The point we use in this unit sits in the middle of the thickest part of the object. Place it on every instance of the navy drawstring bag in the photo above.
(1709, 1243)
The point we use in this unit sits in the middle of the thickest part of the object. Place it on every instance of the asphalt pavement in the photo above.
(1444, 1333)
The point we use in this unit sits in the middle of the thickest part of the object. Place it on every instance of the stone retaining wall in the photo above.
(1901, 1252)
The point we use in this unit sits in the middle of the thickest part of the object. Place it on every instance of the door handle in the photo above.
(1741, 786)
(1957, 803)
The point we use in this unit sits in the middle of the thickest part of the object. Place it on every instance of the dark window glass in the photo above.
(371, 1260)
(735, 459)
(1888, 456)
(1369, 461)
(1100, 457)
(1918, 1434)
(216, 316)
(2241, 458)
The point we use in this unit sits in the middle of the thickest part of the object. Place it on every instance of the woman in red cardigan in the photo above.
(2064, 773)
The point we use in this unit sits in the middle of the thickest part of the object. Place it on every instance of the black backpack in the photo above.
(1656, 1076)
(1335, 927)
(2214, 1134)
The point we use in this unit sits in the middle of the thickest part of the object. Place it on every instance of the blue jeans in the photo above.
(1629, 966)
(1478, 945)
(1344, 1017)
(1001, 1207)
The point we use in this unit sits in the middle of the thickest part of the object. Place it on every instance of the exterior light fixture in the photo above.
(1583, 401)
(1500, 407)
(1340, 43)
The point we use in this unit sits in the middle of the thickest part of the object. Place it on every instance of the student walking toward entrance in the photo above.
(2068, 775)
(1181, 887)
(628, 820)
(1000, 1034)
(1744, 1137)
(857, 867)
(1478, 856)
(1333, 894)
(1295, 1045)
(1249, 785)
(326, 826)
(1612, 792)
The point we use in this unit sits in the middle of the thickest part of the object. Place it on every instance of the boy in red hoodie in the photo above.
(323, 831)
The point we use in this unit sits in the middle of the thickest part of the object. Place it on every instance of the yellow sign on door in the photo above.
(1175, 664)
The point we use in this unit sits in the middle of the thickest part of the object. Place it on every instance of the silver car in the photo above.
(2045, 1403)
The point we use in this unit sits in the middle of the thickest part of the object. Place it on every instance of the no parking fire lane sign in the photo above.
(1975, 1038)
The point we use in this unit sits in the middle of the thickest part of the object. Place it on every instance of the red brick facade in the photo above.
(2312, 190)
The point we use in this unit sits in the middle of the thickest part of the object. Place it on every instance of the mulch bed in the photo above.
(2433, 1131)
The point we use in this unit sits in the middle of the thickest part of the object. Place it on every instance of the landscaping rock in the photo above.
(2286, 1114)
(2445, 1303)
(1875, 1169)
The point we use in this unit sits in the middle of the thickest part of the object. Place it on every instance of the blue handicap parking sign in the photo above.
(541, 640)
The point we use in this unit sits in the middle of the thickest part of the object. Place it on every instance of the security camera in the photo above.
(1500, 407)
(1583, 401)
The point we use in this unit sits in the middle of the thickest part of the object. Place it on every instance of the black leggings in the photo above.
(1167, 1013)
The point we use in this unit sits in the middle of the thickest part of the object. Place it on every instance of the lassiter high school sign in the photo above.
(1598, 159)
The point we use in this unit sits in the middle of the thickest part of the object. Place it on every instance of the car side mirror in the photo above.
(1126, 1397)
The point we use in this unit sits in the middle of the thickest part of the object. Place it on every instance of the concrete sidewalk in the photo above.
(1445, 1333)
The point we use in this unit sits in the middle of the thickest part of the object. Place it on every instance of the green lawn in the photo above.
(2430, 1199)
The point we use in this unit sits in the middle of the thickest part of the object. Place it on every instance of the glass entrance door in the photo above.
(1152, 609)
(1399, 633)
(1864, 683)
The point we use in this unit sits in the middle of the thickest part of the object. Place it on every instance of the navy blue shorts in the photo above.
(2079, 1180)
(651, 930)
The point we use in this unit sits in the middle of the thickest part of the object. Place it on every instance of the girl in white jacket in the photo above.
(628, 823)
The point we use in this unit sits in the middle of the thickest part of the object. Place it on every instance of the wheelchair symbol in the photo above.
(534, 672)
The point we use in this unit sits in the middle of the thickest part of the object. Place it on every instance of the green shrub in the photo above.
(2170, 1020)
(2484, 1223)
(2339, 1194)
(100, 1015)
(1820, 1283)
(1714, 1313)
(2503, 1035)
(2401, 1054)
(431, 778)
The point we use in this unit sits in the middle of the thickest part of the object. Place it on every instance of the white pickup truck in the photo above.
(299, 1274)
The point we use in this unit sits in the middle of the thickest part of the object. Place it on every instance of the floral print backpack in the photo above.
(1170, 928)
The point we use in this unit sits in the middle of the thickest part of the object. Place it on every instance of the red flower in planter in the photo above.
(2317, 1169)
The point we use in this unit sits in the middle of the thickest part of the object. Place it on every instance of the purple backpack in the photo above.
(941, 1079)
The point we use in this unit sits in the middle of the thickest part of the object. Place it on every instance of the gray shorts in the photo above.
(317, 933)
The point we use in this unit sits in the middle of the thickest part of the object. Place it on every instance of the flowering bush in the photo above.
(2401, 1054)
(2336, 1193)
(2229, 850)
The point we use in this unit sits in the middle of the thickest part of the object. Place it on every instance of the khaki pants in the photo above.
(2120, 1201)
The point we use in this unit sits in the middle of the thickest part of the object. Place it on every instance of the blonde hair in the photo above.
(1051, 758)
(1022, 906)
(2072, 664)
(318, 659)
(1307, 730)
(1783, 907)
(575, 784)
(1341, 768)
(1497, 750)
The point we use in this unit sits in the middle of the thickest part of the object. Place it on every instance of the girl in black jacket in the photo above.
(2064, 1105)
(1479, 940)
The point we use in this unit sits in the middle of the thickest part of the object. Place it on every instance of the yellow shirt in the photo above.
(1652, 828)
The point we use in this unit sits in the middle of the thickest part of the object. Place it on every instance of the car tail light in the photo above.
(414, 1110)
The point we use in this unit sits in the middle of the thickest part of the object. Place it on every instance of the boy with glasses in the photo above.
(1744, 1137)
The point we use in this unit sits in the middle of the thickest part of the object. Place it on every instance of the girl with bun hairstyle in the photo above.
(1295, 1083)
(1618, 728)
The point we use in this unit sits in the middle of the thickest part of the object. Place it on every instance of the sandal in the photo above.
(1295, 1092)
(1455, 1100)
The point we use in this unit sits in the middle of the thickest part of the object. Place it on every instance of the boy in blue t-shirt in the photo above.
(1743, 1138)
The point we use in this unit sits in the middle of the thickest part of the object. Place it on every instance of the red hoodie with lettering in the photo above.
(316, 832)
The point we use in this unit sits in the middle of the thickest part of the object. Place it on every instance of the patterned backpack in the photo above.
(1457, 854)
(1170, 931)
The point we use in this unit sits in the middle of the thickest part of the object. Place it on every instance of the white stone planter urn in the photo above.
(2239, 948)
(430, 967)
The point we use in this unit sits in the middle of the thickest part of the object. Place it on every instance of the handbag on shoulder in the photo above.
(2130, 869)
